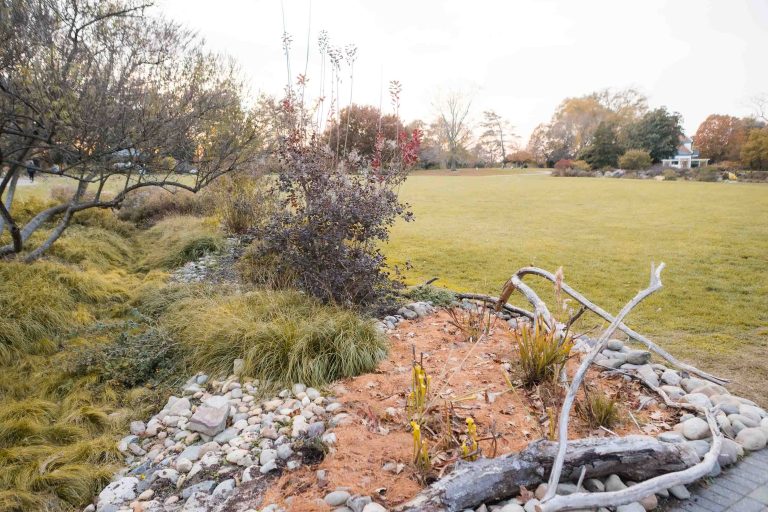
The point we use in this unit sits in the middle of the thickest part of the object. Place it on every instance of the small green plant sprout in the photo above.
(543, 354)
(420, 450)
(469, 448)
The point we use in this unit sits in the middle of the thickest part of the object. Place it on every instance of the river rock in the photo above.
(631, 507)
(671, 377)
(695, 428)
(752, 439)
(117, 492)
(680, 492)
(336, 498)
(638, 357)
(730, 452)
(699, 399)
(594, 485)
(744, 420)
(211, 417)
(614, 483)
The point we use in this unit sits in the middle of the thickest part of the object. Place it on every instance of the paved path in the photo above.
(740, 488)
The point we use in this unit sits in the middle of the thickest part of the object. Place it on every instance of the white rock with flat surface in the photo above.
(118, 492)
(211, 417)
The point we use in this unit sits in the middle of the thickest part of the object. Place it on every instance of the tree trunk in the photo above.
(9, 198)
(486, 480)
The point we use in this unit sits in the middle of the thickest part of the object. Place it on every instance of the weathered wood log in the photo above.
(487, 480)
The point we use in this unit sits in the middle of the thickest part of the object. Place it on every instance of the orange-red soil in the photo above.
(471, 377)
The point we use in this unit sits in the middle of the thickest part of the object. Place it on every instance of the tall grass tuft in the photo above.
(598, 409)
(283, 336)
(43, 302)
(542, 355)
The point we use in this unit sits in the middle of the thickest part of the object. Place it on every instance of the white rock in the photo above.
(238, 456)
(269, 466)
(752, 439)
(695, 428)
(118, 492)
(183, 465)
(375, 507)
(146, 495)
(267, 455)
(138, 428)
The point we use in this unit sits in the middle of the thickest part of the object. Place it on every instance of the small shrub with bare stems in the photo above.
(473, 321)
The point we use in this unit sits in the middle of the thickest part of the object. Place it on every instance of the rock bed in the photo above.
(204, 449)
(196, 453)
(216, 267)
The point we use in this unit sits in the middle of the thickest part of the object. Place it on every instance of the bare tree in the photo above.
(760, 106)
(112, 100)
(453, 111)
(497, 135)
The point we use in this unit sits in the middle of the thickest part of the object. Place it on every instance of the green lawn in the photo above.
(473, 231)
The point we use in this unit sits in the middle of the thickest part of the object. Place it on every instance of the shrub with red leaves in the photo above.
(334, 215)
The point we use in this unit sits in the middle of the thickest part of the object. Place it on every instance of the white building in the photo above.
(686, 156)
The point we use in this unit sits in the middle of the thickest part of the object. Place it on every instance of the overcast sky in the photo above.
(519, 57)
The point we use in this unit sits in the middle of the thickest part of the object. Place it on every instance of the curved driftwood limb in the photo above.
(484, 480)
(653, 485)
(495, 300)
(557, 467)
(540, 309)
(622, 327)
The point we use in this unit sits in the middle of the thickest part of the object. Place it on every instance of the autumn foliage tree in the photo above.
(360, 127)
(720, 137)
(754, 153)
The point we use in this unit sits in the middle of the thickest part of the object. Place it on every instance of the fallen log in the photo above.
(486, 480)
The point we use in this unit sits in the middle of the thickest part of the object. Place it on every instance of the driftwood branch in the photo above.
(622, 327)
(653, 485)
(554, 477)
(495, 300)
(484, 480)
(540, 309)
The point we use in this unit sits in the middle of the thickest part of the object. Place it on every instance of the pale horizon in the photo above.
(519, 58)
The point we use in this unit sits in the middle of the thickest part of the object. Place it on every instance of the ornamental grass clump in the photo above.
(542, 353)
(282, 336)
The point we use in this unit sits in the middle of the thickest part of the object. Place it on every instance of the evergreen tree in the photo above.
(604, 149)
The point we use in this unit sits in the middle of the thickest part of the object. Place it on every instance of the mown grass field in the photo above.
(474, 231)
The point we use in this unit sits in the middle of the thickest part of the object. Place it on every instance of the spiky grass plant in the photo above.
(542, 354)
(283, 336)
(598, 409)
